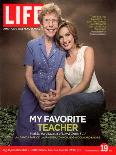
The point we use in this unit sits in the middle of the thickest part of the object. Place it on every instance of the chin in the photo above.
(66, 48)
(51, 35)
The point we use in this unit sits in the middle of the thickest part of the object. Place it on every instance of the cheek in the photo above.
(44, 24)
(72, 39)
(55, 27)
(44, 29)
(61, 41)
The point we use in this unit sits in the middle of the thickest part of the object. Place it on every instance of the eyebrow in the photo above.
(65, 34)
(60, 36)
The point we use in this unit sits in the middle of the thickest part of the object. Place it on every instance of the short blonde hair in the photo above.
(49, 8)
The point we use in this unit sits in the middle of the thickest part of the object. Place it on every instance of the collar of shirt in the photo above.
(42, 46)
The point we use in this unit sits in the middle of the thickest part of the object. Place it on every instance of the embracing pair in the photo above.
(60, 78)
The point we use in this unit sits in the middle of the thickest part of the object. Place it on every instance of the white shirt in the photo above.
(74, 72)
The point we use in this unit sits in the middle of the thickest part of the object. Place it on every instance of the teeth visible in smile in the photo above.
(51, 30)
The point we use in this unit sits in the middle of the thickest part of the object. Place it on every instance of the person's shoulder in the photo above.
(61, 51)
(86, 48)
(89, 51)
(35, 41)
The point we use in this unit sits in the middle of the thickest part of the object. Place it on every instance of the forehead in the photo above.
(64, 30)
(50, 15)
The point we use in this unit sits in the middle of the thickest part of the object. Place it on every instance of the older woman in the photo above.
(44, 71)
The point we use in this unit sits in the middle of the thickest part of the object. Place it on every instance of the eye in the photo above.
(46, 20)
(54, 20)
(67, 34)
(60, 37)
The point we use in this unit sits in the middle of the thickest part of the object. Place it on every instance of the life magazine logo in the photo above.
(21, 15)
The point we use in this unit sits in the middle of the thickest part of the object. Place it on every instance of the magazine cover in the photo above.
(57, 76)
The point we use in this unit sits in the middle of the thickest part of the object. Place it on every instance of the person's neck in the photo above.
(73, 51)
(48, 40)
(48, 44)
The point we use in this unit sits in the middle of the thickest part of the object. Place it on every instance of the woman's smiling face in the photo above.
(50, 24)
(66, 39)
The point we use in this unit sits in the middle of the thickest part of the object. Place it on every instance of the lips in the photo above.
(51, 30)
(66, 44)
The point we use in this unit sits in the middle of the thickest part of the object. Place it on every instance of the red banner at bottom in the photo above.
(81, 150)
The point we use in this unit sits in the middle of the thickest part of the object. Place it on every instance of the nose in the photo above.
(50, 23)
(64, 39)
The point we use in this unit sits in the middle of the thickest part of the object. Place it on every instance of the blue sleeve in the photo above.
(28, 60)
(62, 63)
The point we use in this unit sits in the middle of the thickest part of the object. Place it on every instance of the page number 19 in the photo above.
(104, 147)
